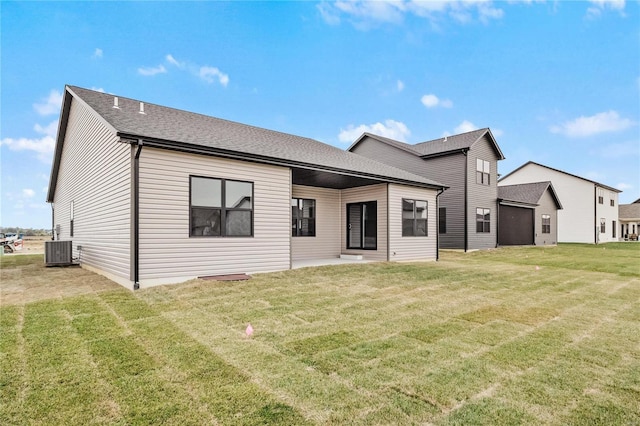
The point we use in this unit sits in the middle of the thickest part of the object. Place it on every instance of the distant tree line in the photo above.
(27, 232)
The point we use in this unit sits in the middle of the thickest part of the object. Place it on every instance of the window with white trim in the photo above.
(546, 224)
(483, 220)
(483, 172)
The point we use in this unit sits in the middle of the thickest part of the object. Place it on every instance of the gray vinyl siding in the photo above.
(361, 194)
(168, 254)
(482, 196)
(326, 243)
(449, 170)
(546, 206)
(380, 151)
(95, 173)
(411, 248)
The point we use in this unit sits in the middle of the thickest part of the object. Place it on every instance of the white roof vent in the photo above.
(115, 102)
(141, 108)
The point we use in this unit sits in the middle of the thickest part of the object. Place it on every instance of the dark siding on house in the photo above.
(448, 170)
(376, 150)
(484, 196)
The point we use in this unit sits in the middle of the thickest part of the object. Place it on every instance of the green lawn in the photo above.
(509, 336)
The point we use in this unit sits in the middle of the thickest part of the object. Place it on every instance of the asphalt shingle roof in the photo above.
(528, 193)
(169, 124)
(450, 143)
(629, 211)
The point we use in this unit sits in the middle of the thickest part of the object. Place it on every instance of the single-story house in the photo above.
(528, 214)
(156, 195)
(629, 215)
(468, 164)
(590, 209)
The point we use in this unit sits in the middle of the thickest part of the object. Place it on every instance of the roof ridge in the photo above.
(201, 114)
(452, 136)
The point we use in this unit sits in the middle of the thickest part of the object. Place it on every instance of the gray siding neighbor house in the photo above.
(468, 164)
(528, 214)
(155, 195)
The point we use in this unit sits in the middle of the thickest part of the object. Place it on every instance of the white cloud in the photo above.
(365, 14)
(28, 193)
(400, 85)
(50, 130)
(497, 132)
(174, 61)
(210, 74)
(465, 126)
(389, 129)
(49, 105)
(151, 71)
(598, 6)
(97, 54)
(206, 73)
(603, 122)
(432, 101)
(623, 186)
(42, 146)
(98, 89)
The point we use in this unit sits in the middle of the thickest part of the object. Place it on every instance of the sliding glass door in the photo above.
(362, 225)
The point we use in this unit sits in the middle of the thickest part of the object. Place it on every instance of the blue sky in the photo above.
(557, 82)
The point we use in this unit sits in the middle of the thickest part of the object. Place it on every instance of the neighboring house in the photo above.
(468, 164)
(156, 195)
(629, 216)
(590, 209)
(528, 214)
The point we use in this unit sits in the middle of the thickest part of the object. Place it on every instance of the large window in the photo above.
(546, 224)
(414, 218)
(220, 208)
(603, 225)
(483, 172)
(483, 220)
(613, 228)
(442, 220)
(303, 217)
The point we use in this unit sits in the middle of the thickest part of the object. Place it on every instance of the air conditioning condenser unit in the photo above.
(57, 253)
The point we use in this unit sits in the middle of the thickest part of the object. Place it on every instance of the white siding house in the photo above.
(590, 209)
(155, 195)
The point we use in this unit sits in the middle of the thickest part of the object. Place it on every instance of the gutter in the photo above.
(440, 191)
(189, 148)
(466, 207)
(136, 215)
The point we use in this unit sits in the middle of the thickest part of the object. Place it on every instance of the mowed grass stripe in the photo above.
(12, 365)
(59, 374)
(162, 375)
(477, 338)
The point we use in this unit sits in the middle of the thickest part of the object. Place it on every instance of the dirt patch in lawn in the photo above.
(23, 281)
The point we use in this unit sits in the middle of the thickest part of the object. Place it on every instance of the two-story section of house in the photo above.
(590, 209)
(468, 164)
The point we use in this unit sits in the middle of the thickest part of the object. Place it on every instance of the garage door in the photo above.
(516, 226)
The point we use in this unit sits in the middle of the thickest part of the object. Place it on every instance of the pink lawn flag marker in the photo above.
(537, 268)
(249, 330)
